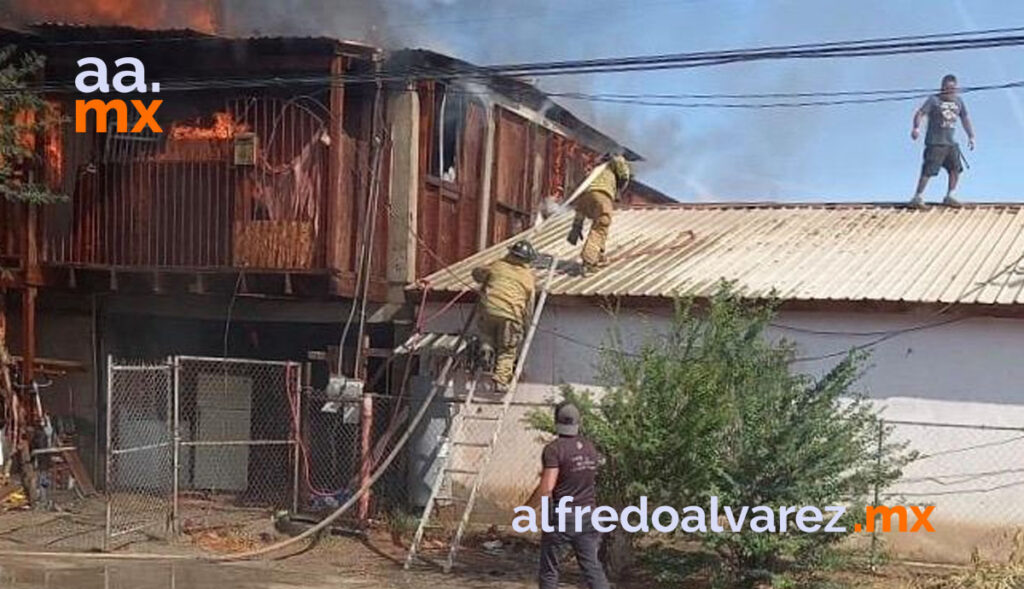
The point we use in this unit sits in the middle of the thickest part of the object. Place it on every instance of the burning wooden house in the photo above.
(293, 178)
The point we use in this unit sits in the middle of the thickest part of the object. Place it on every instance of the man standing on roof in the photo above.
(940, 147)
(596, 204)
(506, 304)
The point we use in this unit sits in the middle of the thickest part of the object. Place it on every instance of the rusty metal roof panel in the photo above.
(860, 252)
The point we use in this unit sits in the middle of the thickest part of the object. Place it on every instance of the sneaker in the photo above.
(916, 203)
(949, 201)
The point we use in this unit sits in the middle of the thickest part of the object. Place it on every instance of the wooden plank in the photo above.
(81, 475)
(55, 366)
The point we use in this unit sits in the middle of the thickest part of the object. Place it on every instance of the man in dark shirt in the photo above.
(940, 147)
(570, 468)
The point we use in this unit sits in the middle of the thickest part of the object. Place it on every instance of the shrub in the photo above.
(712, 407)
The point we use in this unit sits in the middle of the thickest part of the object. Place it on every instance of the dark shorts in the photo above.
(941, 156)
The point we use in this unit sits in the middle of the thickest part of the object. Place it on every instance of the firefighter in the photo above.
(596, 204)
(506, 304)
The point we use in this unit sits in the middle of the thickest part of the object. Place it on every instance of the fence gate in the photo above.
(140, 449)
(194, 437)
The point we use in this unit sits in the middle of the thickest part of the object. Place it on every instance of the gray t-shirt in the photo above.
(942, 115)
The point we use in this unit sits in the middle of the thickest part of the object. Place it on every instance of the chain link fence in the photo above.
(974, 478)
(252, 436)
(140, 450)
(193, 444)
(237, 428)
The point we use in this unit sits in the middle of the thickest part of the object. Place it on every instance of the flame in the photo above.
(224, 127)
(54, 148)
(199, 15)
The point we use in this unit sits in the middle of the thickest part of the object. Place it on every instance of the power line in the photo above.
(843, 49)
(908, 96)
(210, 38)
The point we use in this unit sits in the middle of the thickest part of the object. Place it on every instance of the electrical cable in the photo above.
(830, 50)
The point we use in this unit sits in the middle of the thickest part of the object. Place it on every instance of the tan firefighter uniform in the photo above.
(596, 204)
(505, 307)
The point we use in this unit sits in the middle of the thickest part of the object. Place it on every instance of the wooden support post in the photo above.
(336, 251)
(28, 336)
(28, 299)
(27, 406)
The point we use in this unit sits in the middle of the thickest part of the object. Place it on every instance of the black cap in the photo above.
(567, 419)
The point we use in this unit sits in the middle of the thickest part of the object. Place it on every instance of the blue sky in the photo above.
(836, 153)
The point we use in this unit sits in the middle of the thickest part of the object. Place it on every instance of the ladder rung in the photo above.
(472, 444)
(461, 471)
(482, 417)
(452, 499)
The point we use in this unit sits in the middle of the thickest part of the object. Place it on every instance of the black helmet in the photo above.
(523, 250)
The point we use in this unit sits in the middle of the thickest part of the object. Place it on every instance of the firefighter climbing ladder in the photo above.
(471, 411)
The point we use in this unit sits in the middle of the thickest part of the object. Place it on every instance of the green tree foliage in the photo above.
(713, 407)
(22, 114)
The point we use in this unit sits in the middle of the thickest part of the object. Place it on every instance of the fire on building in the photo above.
(202, 277)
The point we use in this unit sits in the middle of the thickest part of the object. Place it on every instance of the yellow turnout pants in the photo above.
(596, 206)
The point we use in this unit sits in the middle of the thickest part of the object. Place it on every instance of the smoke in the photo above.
(691, 154)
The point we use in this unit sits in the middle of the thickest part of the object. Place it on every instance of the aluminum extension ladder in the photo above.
(459, 441)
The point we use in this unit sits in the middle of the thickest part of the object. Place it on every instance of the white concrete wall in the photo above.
(967, 373)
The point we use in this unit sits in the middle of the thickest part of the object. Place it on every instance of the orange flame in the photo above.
(224, 127)
(149, 14)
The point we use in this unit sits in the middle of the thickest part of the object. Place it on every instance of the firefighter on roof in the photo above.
(596, 204)
(506, 304)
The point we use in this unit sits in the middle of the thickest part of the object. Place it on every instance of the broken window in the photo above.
(449, 117)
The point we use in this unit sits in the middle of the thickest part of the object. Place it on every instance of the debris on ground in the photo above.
(493, 546)
(224, 541)
(15, 500)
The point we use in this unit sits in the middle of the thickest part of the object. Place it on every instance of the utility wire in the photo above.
(862, 48)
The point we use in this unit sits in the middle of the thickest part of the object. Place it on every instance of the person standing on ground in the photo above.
(596, 204)
(940, 147)
(506, 305)
(570, 466)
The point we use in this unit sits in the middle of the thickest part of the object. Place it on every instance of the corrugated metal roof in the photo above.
(804, 252)
(437, 343)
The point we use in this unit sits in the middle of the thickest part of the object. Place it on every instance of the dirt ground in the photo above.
(345, 562)
(371, 560)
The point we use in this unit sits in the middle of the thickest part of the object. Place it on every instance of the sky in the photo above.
(824, 153)
(834, 153)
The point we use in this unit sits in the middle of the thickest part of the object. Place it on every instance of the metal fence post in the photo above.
(176, 444)
(107, 484)
(877, 482)
(296, 434)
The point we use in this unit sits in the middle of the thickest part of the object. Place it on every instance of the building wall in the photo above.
(940, 386)
(502, 161)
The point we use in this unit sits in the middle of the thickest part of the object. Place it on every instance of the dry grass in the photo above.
(984, 574)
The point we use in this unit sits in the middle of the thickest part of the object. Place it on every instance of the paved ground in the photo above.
(352, 565)
(336, 562)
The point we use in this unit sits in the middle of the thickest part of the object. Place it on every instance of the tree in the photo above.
(24, 115)
(712, 407)
(24, 118)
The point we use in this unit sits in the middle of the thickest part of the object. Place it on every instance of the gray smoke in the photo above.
(690, 153)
